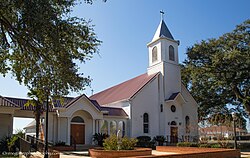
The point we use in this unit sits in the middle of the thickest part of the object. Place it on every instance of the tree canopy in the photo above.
(41, 44)
(217, 72)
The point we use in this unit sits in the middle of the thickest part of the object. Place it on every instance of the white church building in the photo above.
(151, 104)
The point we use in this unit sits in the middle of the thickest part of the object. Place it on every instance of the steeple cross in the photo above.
(162, 13)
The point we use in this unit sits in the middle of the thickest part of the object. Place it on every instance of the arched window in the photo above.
(121, 127)
(187, 122)
(171, 53)
(173, 123)
(154, 54)
(77, 119)
(145, 123)
(113, 127)
(104, 126)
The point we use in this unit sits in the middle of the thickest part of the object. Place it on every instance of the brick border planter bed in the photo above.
(100, 153)
(193, 152)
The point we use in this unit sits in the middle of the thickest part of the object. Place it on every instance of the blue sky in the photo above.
(126, 26)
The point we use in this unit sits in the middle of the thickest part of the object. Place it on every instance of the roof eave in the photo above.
(162, 37)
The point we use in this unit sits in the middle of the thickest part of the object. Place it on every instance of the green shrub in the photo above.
(160, 139)
(187, 144)
(111, 143)
(12, 143)
(60, 143)
(20, 133)
(205, 145)
(128, 143)
(215, 145)
(9, 144)
(4, 144)
(145, 141)
(215, 138)
(244, 145)
(99, 138)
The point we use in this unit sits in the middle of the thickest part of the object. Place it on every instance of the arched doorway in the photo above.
(77, 129)
(173, 132)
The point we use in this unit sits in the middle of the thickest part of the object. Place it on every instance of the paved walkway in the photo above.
(84, 154)
(74, 154)
(245, 154)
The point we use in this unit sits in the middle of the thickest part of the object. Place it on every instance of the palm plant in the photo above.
(38, 104)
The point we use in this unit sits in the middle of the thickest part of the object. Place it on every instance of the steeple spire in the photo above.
(162, 30)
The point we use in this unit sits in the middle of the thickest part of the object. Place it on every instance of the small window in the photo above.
(171, 53)
(173, 108)
(161, 108)
(154, 54)
(145, 123)
(187, 121)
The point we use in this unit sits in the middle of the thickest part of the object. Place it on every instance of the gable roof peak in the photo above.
(162, 31)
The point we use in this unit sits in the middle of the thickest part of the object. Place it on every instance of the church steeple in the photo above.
(162, 49)
(162, 31)
(163, 58)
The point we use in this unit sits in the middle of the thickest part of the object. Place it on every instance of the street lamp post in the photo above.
(46, 153)
(234, 129)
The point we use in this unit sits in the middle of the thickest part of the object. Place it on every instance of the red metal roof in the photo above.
(124, 90)
(114, 111)
(68, 101)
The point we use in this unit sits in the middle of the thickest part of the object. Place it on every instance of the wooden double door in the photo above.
(77, 133)
(174, 134)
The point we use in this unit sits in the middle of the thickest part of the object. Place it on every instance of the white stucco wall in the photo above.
(6, 125)
(146, 101)
(62, 129)
(190, 109)
(172, 79)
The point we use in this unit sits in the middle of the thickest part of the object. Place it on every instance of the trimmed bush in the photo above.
(187, 144)
(244, 145)
(128, 143)
(215, 145)
(145, 141)
(205, 145)
(160, 139)
(111, 143)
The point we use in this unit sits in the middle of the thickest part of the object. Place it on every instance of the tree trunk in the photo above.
(37, 118)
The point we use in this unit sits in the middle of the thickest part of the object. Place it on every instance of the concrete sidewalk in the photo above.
(84, 154)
